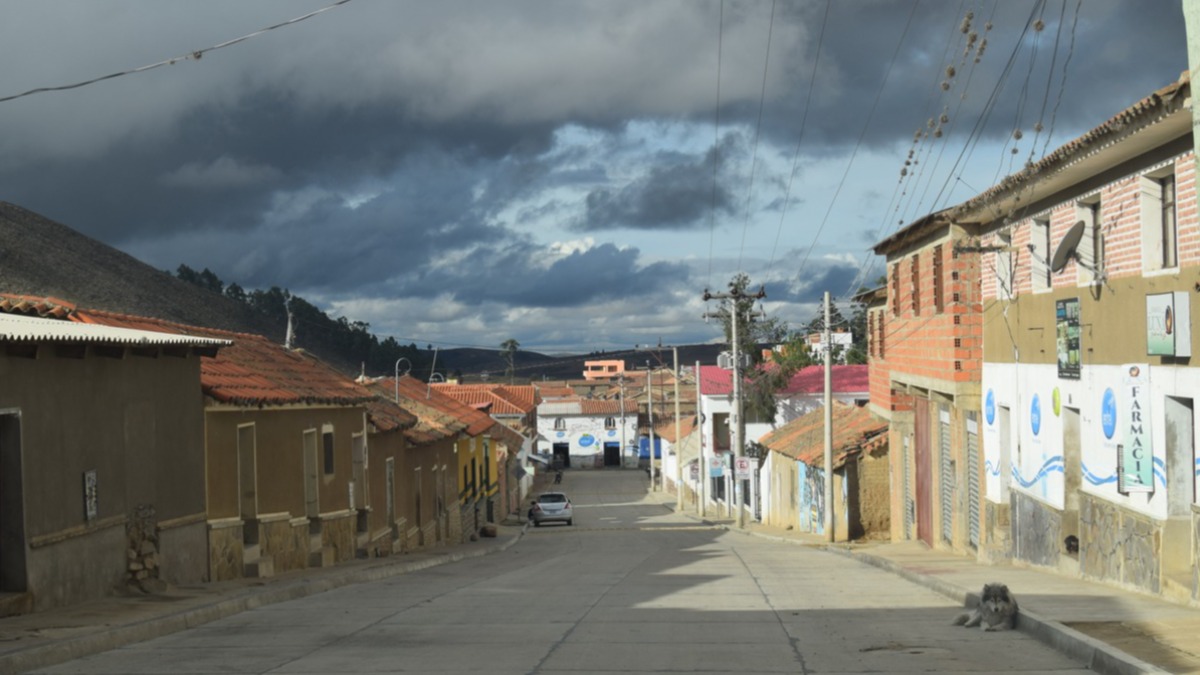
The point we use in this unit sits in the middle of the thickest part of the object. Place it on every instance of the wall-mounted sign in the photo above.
(1135, 457)
(91, 502)
(1035, 415)
(989, 407)
(1108, 413)
(1066, 314)
(586, 440)
(1168, 325)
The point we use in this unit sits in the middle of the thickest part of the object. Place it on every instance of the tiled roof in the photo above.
(715, 381)
(666, 429)
(481, 397)
(33, 306)
(253, 371)
(521, 396)
(844, 379)
(438, 414)
(588, 407)
(554, 391)
(24, 328)
(803, 438)
(387, 415)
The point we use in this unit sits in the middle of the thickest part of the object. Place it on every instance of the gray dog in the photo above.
(997, 610)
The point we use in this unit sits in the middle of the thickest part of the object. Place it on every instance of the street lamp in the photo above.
(396, 379)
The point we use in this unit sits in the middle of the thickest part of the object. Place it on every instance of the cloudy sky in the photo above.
(570, 174)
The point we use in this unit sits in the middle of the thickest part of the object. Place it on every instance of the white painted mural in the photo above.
(1111, 403)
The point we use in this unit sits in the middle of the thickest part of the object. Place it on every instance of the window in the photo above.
(1160, 234)
(1004, 272)
(872, 343)
(610, 423)
(939, 284)
(560, 424)
(1091, 246)
(896, 289)
(1039, 258)
(916, 284)
(879, 341)
(327, 445)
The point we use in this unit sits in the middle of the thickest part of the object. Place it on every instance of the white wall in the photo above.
(1037, 469)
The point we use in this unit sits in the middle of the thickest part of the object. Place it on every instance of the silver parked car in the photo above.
(551, 507)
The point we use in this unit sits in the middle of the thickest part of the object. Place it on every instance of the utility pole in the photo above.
(650, 411)
(678, 440)
(701, 461)
(739, 446)
(624, 448)
(828, 427)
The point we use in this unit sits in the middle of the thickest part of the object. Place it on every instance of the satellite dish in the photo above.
(1066, 247)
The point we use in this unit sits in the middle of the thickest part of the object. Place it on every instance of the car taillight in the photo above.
(537, 507)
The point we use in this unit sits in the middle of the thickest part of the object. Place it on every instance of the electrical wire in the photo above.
(193, 56)
(762, 98)
(712, 214)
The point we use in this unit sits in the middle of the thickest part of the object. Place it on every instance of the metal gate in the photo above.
(946, 477)
(973, 479)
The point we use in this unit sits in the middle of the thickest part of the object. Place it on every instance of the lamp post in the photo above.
(396, 379)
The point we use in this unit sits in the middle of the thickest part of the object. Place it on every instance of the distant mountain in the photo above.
(42, 258)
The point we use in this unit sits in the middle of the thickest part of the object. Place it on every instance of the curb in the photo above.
(1095, 655)
(68, 649)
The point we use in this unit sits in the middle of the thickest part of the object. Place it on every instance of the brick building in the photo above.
(925, 354)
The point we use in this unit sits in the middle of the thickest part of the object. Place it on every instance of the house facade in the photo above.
(101, 458)
(925, 352)
(795, 471)
(1089, 380)
(586, 433)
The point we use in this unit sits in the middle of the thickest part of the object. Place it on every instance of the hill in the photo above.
(42, 258)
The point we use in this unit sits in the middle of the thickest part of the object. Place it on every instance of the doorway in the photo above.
(612, 454)
(562, 455)
(1180, 423)
(13, 577)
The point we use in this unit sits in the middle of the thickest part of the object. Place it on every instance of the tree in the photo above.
(754, 331)
(509, 349)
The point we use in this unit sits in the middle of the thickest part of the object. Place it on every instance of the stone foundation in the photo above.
(337, 533)
(285, 541)
(225, 549)
(1036, 531)
(1116, 545)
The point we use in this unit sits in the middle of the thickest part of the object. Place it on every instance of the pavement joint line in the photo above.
(1096, 655)
(68, 649)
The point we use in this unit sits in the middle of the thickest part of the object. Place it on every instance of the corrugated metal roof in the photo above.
(23, 328)
(253, 370)
(553, 408)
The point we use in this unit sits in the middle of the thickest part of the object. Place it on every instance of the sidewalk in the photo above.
(1109, 629)
(32, 641)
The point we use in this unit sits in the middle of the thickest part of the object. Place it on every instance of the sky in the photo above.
(570, 174)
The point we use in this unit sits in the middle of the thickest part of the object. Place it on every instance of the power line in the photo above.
(762, 98)
(193, 56)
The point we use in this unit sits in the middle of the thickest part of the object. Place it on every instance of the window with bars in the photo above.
(939, 284)
(896, 289)
(916, 283)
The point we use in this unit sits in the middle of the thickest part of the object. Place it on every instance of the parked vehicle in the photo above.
(551, 507)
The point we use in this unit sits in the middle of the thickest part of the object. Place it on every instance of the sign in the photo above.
(1135, 456)
(694, 471)
(586, 440)
(1035, 415)
(716, 466)
(1168, 325)
(91, 503)
(989, 407)
(742, 468)
(1108, 413)
(1066, 314)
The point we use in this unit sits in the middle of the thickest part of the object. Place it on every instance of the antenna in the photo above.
(1067, 248)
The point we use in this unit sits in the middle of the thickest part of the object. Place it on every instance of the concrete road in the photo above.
(630, 588)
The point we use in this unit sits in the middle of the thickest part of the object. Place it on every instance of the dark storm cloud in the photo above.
(818, 277)
(679, 192)
(512, 277)
(868, 72)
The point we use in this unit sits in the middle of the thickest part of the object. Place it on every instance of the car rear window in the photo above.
(552, 499)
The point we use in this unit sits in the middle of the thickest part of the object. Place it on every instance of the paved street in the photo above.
(630, 588)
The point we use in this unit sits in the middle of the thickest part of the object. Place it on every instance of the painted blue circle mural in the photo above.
(561, 434)
(612, 432)
(1108, 413)
(586, 440)
(1035, 415)
(989, 407)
